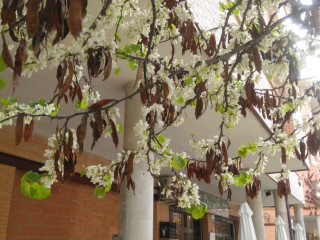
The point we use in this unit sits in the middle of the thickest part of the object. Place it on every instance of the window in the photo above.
(186, 227)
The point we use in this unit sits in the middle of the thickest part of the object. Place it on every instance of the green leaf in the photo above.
(127, 49)
(32, 104)
(41, 192)
(135, 47)
(222, 8)
(4, 101)
(161, 139)
(180, 100)
(173, 26)
(119, 127)
(242, 179)
(194, 103)
(188, 80)
(288, 107)
(117, 71)
(132, 64)
(25, 177)
(197, 212)
(99, 192)
(42, 102)
(118, 37)
(108, 187)
(34, 189)
(122, 56)
(30, 187)
(33, 177)
(199, 78)
(141, 54)
(220, 108)
(2, 83)
(252, 147)
(81, 105)
(270, 77)
(83, 172)
(178, 162)
(12, 100)
(236, 12)
(3, 65)
(54, 112)
(229, 5)
(243, 151)
(189, 210)
(25, 189)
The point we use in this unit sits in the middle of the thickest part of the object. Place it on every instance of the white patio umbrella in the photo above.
(298, 232)
(247, 231)
(280, 230)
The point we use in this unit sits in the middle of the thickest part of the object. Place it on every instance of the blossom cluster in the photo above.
(224, 84)
(188, 192)
(10, 109)
(49, 167)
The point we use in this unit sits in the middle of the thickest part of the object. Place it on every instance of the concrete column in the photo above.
(281, 209)
(318, 224)
(298, 217)
(257, 217)
(136, 210)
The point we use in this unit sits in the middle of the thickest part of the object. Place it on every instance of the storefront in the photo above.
(220, 222)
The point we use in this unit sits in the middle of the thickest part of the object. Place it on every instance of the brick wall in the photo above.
(71, 212)
(270, 232)
(160, 214)
(6, 183)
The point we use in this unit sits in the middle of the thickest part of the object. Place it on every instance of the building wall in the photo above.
(160, 214)
(35, 148)
(70, 212)
(207, 226)
(6, 183)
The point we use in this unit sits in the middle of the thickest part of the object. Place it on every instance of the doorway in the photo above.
(224, 228)
(187, 228)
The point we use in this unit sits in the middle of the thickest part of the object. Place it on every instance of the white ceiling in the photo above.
(42, 84)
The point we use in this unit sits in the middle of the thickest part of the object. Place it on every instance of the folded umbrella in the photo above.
(280, 230)
(298, 232)
(247, 231)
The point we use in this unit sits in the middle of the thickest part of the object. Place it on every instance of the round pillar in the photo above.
(281, 209)
(298, 217)
(136, 210)
(257, 217)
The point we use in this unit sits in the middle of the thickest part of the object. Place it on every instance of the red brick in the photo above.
(58, 221)
(7, 177)
(49, 209)
(21, 218)
(63, 231)
(17, 193)
(29, 230)
(57, 199)
(33, 206)
(46, 231)
(16, 206)
(71, 203)
(38, 219)
(61, 217)
(66, 190)
(18, 238)
(65, 211)
(13, 230)
(55, 189)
